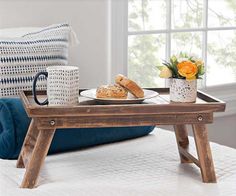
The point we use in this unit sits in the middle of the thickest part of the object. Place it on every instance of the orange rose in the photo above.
(187, 69)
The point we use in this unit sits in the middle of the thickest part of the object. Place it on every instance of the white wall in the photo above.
(89, 18)
(223, 131)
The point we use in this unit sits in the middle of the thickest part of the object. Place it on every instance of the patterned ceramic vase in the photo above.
(183, 91)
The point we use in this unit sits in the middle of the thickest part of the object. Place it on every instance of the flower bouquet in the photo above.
(183, 71)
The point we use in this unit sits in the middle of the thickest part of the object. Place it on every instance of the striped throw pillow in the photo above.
(24, 56)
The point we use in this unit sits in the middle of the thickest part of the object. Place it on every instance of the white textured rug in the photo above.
(145, 166)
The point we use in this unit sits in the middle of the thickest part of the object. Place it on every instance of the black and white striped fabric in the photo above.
(22, 57)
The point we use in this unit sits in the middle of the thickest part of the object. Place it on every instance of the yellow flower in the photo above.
(165, 72)
(188, 70)
(199, 62)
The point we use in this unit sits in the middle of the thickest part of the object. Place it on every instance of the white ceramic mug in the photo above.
(62, 85)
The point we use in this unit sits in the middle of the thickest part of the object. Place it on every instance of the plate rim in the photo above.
(119, 100)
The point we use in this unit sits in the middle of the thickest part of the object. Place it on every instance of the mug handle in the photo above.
(34, 88)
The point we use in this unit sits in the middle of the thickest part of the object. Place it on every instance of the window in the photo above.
(159, 28)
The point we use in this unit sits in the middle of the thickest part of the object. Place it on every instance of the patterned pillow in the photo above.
(24, 56)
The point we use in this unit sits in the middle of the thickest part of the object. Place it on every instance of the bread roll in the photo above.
(111, 91)
(130, 85)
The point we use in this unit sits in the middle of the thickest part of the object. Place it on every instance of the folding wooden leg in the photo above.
(204, 153)
(181, 134)
(37, 158)
(28, 145)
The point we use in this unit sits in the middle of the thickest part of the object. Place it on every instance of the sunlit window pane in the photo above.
(187, 13)
(222, 13)
(145, 52)
(147, 15)
(221, 57)
(188, 42)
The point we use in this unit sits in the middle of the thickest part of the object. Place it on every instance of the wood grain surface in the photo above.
(37, 158)
(204, 153)
(28, 145)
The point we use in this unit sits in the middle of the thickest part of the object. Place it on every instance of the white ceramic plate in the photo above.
(148, 94)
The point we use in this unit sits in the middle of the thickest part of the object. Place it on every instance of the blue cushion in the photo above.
(14, 123)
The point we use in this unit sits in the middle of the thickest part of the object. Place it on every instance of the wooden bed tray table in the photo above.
(88, 113)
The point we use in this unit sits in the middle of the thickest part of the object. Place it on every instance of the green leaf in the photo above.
(201, 70)
(159, 67)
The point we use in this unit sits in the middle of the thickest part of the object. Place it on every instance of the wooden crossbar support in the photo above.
(181, 134)
(189, 156)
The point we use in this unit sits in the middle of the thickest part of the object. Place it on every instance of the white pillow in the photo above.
(27, 51)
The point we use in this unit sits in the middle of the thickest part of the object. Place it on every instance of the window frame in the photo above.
(119, 48)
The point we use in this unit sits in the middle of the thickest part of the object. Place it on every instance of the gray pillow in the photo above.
(23, 56)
